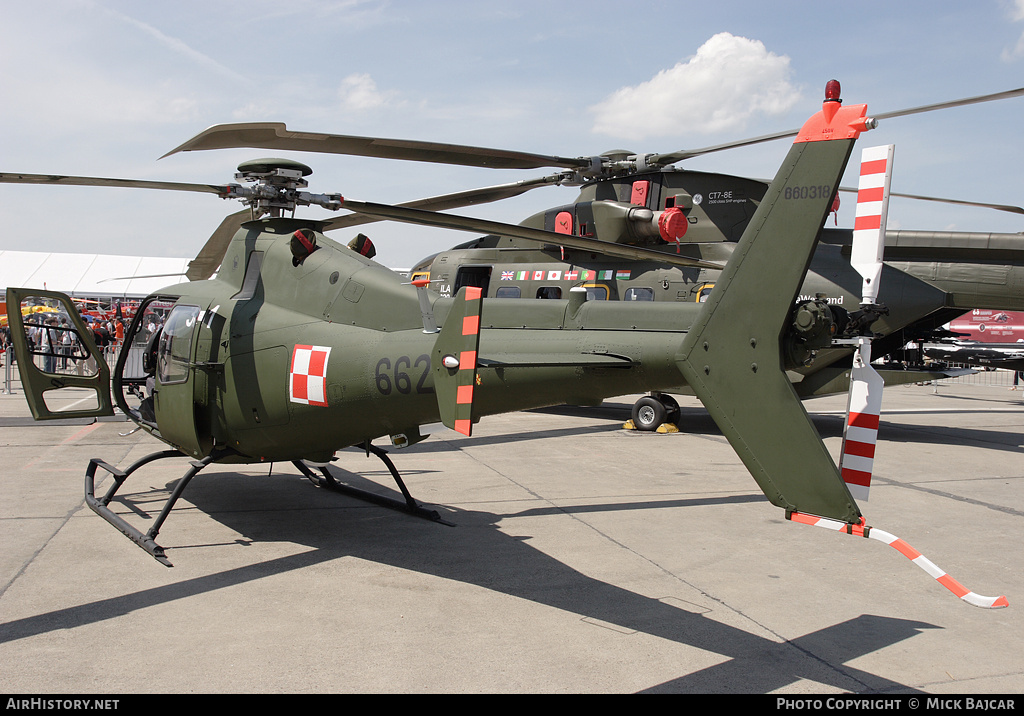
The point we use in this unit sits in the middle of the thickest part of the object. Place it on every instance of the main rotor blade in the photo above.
(983, 205)
(673, 157)
(275, 135)
(7, 178)
(465, 223)
(954, 103)
(470, 197)
(209, 258)
(1009, 208)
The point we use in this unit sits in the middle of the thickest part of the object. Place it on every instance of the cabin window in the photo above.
(508, 292)
(477, 276)
(174, 353)
(639, 293)
(549, 292)
(597, 293)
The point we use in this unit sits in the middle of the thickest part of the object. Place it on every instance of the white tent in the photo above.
(95, 275)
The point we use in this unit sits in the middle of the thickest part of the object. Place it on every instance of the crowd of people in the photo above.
(57, 344)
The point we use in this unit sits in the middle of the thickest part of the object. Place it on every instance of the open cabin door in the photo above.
(63, 372)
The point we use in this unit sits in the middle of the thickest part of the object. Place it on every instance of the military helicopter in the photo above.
(301, 346)
(643, 207)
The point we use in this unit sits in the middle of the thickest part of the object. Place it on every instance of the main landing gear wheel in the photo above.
(653, 411)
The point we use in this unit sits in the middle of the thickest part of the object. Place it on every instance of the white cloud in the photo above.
(1016, 13)
(358, 92)
(730, 80)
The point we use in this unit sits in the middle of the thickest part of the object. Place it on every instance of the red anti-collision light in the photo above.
(833, 91)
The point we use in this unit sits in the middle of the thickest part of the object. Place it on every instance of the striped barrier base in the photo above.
(907, 551)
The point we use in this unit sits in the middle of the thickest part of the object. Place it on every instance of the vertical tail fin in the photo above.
(735, 355)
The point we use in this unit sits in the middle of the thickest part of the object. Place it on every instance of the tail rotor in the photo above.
(865, 397)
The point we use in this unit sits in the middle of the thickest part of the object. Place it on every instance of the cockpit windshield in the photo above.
(175, 350)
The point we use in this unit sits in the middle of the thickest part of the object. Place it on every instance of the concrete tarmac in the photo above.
(584, 558)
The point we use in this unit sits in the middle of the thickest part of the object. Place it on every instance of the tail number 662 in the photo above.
(400, 376)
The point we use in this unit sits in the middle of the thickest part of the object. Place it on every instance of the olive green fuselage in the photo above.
(236, 392)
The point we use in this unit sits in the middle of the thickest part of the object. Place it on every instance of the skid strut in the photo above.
(408, 505)
(99, 505)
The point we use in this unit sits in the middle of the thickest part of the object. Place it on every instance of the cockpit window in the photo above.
(174, 354)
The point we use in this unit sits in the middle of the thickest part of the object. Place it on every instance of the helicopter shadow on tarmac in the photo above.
(903, 430)
(478, 552)
(898, 428)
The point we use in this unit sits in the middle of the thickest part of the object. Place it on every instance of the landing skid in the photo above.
(147, 540)
(409, 505)
(100, 506)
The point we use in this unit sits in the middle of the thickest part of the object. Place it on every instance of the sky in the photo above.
(105, 87)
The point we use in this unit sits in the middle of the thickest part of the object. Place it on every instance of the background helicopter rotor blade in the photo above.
(275, 135)
(465, 223)
(962, 202)
(11, 178)
(983, 205)
(673, 157)
(954, 103)
(470, 197)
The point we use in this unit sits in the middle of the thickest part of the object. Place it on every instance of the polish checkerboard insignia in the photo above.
(307, 379)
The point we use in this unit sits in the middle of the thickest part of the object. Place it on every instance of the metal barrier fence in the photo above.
(987, 377)
(69, 363)
(9, 372)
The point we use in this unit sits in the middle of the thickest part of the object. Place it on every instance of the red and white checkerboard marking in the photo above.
(307, 379)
